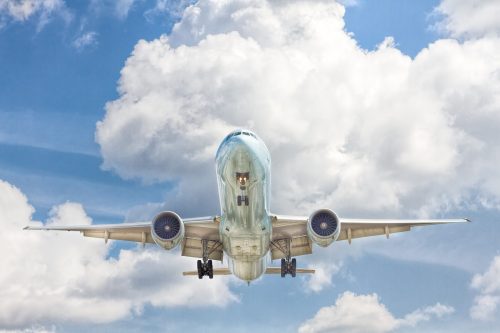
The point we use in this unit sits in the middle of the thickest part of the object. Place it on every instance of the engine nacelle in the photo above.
(323, 227)
(167, 230)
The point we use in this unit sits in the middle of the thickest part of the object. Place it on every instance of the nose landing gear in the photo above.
(242, 179)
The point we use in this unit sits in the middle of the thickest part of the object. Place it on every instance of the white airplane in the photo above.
(246, 231)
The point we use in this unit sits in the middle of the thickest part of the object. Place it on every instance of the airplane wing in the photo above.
(295, 229)
(195, 229)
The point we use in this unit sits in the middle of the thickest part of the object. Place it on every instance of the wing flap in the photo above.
(369, 231)
(299, 246)
(193, 247)
(139, 237)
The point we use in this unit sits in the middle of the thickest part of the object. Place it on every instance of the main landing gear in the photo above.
(288, 267)
(205, 267)
(288, 264)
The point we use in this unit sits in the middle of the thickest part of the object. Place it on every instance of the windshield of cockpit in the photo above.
(236, 133)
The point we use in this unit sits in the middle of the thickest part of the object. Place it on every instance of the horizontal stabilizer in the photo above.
(217, 271)
(269, 270)
(277, 270)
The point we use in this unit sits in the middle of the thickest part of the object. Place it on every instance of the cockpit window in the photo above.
(230, 135)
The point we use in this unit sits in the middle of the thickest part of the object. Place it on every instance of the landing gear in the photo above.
(288, 264)
(242, 199)
(288, 267)
(205, 267)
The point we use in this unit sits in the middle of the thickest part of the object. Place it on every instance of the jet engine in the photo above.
(167, 230)
(323, 227)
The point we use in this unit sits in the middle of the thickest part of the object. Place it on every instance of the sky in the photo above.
(112, 111)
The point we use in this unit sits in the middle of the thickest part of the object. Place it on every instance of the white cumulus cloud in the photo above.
(488, 284)
(469, 18)
(353, 313)
(355, 130)
(55, 277)
(22, 10)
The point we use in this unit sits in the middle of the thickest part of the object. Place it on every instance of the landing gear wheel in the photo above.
(288, 267)
(210, 270)
(200, 269)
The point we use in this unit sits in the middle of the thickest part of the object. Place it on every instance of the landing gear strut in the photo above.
(288, 264)
(205, 267)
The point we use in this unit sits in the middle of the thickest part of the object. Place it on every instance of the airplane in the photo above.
(246, 231)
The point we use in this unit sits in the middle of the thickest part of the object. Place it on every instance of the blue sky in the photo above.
(55, 90)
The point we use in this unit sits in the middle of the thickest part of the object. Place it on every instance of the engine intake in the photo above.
(167, 230)
(323, 227)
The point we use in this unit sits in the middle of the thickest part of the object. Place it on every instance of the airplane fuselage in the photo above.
(243, 167)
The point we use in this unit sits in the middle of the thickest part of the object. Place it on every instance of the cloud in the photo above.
(122, 7)
(488, 284)
(469, 18)
(85, 40)
(21, 11)
(167, 8)
(50, 271)
(322, 278)
(353, 313)
(420, 315)
(34, 329)
(386, 133)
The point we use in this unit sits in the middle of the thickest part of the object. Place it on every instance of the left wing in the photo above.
(195, 230)
(295, 229)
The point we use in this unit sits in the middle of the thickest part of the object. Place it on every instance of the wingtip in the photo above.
(26, 228)
(467, 219)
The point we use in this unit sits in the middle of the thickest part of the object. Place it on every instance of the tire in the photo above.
(294, 267)
(200, 269)
(283, 267)
(210, 270)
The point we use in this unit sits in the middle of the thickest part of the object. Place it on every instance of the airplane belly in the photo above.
(248, 270)
(247, 248)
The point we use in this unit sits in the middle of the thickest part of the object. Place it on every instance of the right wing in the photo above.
(196, 229)
(294, 228)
